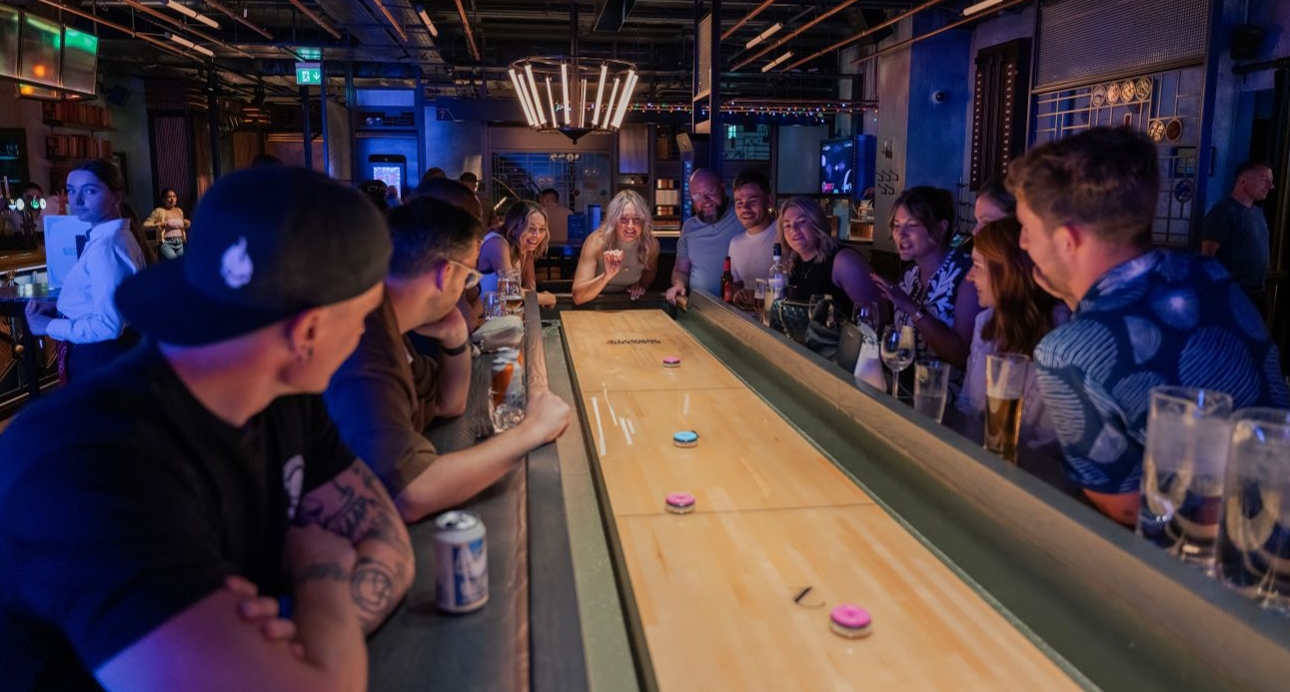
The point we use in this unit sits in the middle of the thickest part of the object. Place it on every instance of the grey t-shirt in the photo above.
(750, 255)
(706, 245)
(1243, 243)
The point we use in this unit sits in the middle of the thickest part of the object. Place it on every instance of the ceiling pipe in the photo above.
(795, 33)
(239, 19)
(326, 26)
(747, 18)
(470, 35)
(403, 35)
(947, 27)
(861, 35)
(180, 25)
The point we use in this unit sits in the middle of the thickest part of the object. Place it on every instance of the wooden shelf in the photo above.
(79, 126)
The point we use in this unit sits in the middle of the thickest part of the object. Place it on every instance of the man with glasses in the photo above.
(705, 237)
(386, 393)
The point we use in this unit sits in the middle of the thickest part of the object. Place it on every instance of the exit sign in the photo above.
(308, 73)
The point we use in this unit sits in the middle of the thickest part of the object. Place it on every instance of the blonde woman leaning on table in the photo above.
(523, 239)
(622, 255)
(85, 316)
(169, 223)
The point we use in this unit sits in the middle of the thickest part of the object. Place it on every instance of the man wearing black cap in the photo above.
(385, 394)
(129, 499)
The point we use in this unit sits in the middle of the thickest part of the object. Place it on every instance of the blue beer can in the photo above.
(460, 562)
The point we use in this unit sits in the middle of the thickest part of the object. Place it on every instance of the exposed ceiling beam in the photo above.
(398, 28)
(613, 14)
(470, 34)
(947, 27)
(239, 19)
(326, 25)
(795, 33)
(725, 36)
(862, 34)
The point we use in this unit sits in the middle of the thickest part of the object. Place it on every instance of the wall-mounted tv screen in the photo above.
(80, 61)
(747, 143)
(837, 167)
(9, 24)
(40, 56)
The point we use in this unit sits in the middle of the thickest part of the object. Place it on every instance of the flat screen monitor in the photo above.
(80, 61)
(837, 167)
(10, 19)
(40, 59)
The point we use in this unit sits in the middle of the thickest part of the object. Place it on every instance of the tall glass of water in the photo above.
(508, 284)
(931, 381)
(1005, 389)
(1183, 467)
(897, 351)
(1254, 533)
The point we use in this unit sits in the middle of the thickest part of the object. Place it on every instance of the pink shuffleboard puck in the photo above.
(680, 503)
(850, 621)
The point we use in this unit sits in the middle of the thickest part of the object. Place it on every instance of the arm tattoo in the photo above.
(321, 571)
(373, 589)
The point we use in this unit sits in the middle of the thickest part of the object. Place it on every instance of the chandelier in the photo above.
(573, 96)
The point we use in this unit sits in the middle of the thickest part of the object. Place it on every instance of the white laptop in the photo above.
(61, 252)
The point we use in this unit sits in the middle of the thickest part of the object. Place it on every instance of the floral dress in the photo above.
(937, 297)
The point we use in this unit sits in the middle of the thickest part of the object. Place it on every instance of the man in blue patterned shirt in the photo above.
(1142, 317)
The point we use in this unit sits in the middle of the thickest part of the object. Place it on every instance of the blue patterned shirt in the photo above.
(1164, 318)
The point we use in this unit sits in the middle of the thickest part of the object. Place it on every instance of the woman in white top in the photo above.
(524, 238)
(622, 255)
(169, 224)
(1017, 315)
(85, 316)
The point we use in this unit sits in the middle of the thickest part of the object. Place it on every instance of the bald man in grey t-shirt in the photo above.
(705, 237)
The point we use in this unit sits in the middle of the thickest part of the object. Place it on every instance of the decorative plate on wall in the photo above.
(1143, 88)
(1126, 90)
(1156, 131)
(1173, 130)
(1113, 93)
(1099, 96)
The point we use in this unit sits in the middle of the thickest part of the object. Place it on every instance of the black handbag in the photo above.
(818, 332)
(790, 318)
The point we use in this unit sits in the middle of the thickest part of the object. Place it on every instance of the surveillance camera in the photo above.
(939, 97)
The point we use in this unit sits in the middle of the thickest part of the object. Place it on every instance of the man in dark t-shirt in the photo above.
(1236, 232)
(129, 500)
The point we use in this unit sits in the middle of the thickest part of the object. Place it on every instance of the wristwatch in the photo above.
(455, 350)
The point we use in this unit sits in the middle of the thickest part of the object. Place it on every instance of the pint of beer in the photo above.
(1005, 385)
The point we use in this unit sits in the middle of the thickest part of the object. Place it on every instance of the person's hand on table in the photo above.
(546, 299)
(899, 299)
(547, 415)
(263, 611)
(673, 292)
(39, 314)
(451, 331)
(635, 291)
(743, 299)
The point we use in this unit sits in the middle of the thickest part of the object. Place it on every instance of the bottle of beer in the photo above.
(727, 283)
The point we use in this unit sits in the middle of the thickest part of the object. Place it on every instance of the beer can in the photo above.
(461, 562)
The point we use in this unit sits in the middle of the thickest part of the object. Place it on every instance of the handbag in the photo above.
(815, 331)
(790, 318)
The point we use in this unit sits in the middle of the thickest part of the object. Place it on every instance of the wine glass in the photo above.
(897, 351)
(865, 316)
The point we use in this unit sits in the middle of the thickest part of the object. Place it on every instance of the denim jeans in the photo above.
(171, 249)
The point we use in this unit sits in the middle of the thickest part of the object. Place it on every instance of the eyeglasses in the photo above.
(710, 195)
(631, 221)
(473, 276)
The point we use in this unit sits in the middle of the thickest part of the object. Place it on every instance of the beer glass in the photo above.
(1005, 386)
(507, 389)
(494, 305)
(1254, 534)
(508, 284)
(1188, 435)
(759, 301)
(931, 381)
(897, 352)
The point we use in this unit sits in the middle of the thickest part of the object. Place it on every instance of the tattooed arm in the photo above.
(355, 505)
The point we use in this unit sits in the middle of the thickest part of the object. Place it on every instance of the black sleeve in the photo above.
(329, 456)
(101, 542)
(1218, 222)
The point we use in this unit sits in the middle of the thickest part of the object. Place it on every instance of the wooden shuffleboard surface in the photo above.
(717, 590)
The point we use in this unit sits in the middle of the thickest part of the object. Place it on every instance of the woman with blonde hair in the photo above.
(817, 264)
(1018, 313)
(621, 255)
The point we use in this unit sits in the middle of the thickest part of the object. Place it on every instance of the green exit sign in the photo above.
(308, 73)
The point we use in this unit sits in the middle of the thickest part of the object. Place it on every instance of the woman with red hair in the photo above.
(1018, 313)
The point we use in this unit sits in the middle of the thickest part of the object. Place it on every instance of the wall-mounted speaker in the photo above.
(1247, 39)
(118, 96)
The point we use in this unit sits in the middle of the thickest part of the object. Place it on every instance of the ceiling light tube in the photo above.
(626, 98)
(768, 66)
(190, 13)
(524, 98)
(537, 100)
(180, 40)
(764, 35)
(564, 87)
(609, 105)
(980, 6)
(425, 19)
(600, 94)
(582, 106)
(550, 99)
(204, 51)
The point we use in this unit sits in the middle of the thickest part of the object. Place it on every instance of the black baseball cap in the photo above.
(265, 244)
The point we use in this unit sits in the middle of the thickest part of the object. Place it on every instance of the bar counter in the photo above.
(580, 597)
